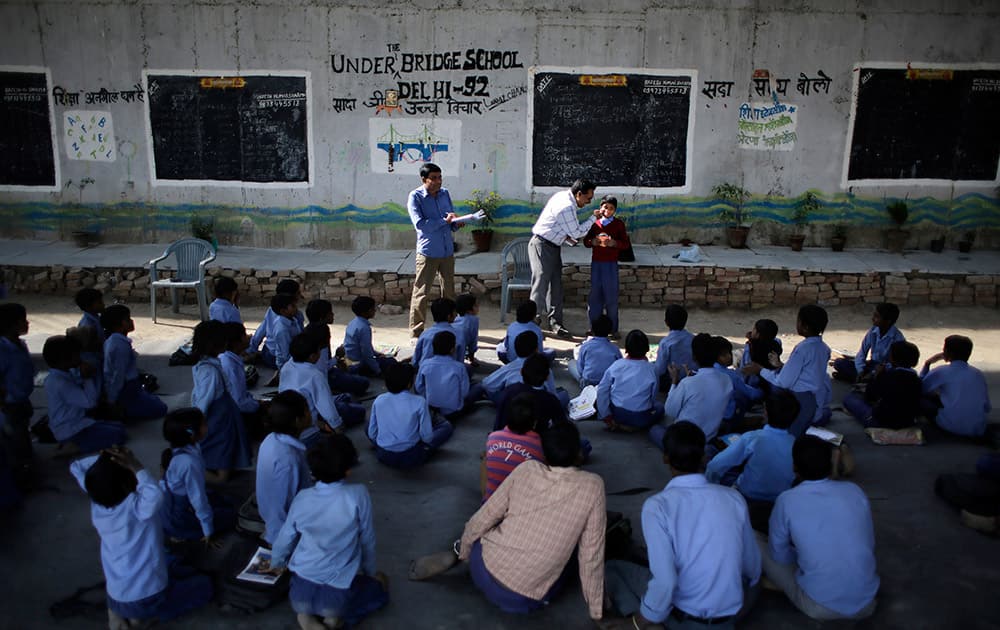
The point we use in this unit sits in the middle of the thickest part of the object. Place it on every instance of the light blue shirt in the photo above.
(469, 324)
(132, 555)
(282, 471)
(825, 527)
(878, 344)
(186, 478)
(628, 384)
(224, 311)
(400, 421)
(675, 349)
(17, 372)
(69, 397)
(701, 548)
(358, 344)
(965, 399)
(515, 329)
(444, 382)
(742, 393)
(425, 343)
(89, 320)
(427, 213)
(236, 381)
(509, 374)
(279, 338)
(264, 330)
(329, 535)
(309, 380)
(805, 372)
(209, 383)
(596, 356)
(702, 399)
(119, 365)
(768, 456)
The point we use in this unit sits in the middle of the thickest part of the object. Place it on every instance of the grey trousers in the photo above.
(546, 278)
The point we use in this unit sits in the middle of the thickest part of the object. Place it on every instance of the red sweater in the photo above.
(616, 230)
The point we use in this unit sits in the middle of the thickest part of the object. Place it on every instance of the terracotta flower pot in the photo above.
(796, 241)
(737, 236)
(483, 239)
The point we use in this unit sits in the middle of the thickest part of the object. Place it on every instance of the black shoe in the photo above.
(561, 331)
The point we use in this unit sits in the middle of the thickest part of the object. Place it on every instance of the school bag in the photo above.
(248, 520)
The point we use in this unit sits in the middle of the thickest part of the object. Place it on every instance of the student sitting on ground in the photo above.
(91, 352)
(444, 381)
(675, 348)
(467, 321)
(352, 413)
(125, 510)
(17, 381)
(525, 345)
(282, 469)
(958, 400)
(401, 426)
(320, 313)
(285, 287)
(892, 397)
(443, 312)
(744, 395)
(233, 369)
(820, 548)
(517, 442)
(626, 395)
(121, 376)
(282, 327)
(226, 305)
(526, 313)
(548, 409)
(91, 302)
(877, 341)
(358, 340)
(596, 354)
(762, 340)
(328, 543)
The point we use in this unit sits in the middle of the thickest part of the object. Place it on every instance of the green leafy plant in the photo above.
(735, 212)
(899, 212)
(203, 227)
(488, 202)
(804, 208)
(840, 231)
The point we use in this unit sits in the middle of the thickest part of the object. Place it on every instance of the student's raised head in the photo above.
(304, 348)
(636, 344)
(684, 446)
(812, 320)
(117, 318)
(535, 370)
(957, 348)
(61, 352)
(526, 311)
(723, 351)
(443, 342)
(236, 336)
(887, 314)
(703, 350)
(521, 417)
(465, 303)
(766, 328)
(363, 306)
(904, 354)
(291, 287)
(443, 309)
(209, 339)
(289, 413)
(86, 336)
(781, 407)
(331, 458)
(812, 457)
(561, 445)
(600, 326)
(90, 300)
(13, 319)
(675, 317)
(283, 304)
(109, 483)
(526, 344)
(225, 288)
(319, 311)
(398, 377)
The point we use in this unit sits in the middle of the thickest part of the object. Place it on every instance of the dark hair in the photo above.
(888, 311)
(86, 336)
(958, 347)
(285, 410)
(526, 311)
(320, 332)
(722, 346)
(362, 304)
(782, 408)
(318, 309)
(904, 354)
(427, 168)
(108, 483)
(760, 348)
(766, 328)
(521, 413)
(11, 316)
(636, 344)
(224, 287)
(442, 309)
(114, 316)
(281, 301)
(582, 186)
(289, 286)
(234, 332)
(610, 200)
(465, 303)
(561, 445)
(601, 325)
(398, 377)
(814, 318)
(684, 445)
(675, 316)
(58, 350)
(525, 344)
(180, 426)
(302, 347)
(331, 458)
(535, 370)
(443, 342)
(209, 339)
(703, 350)
(86, 297)
(813, 457)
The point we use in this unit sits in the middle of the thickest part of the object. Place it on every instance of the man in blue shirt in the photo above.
(432, 214)
(702, 553)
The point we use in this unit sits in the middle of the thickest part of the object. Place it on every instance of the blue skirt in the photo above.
(226, 446)
(186, 590)
(364, 596)
(180, 521)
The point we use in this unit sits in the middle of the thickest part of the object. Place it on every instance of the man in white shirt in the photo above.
(557, 224)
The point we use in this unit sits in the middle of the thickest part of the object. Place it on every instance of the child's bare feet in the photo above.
(309, 622)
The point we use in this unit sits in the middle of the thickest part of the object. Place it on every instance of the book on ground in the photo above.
(252, 572)
(825, 434)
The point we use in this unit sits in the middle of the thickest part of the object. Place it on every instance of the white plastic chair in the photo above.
(192, 255)
(516, 253)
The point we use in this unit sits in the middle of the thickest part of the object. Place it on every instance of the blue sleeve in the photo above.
(789, 372)
(367, 350)
(420, 220)
(675, 401)
(862, 356)
(604, 395)
(730, 457)
(779, 539)
(367, 532)
(662, 359)
(420, 383)
(751, 561)
(933, 379)
(258, 335)
(424, 422)
(282, 342)
(373, 422)
(115, 364)
(194, 485)
(748, 391)
(79, 469)
(148, 497)
(418, 350)
(473, 334)
(287, 538)
(657, 601)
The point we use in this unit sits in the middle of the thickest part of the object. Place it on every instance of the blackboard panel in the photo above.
(620, 129)
(27, 156)
(248, 128)
(925, 123)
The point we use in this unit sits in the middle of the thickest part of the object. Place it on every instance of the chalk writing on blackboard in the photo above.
(28, 156)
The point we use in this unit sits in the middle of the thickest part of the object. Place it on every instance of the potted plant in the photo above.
(734, 214)
(839, 238)
(937, 244)
(806, 206)
(204, 228)
(487, 202)
(896, 237)
(965, 245)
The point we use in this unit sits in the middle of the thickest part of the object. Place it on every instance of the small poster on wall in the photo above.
(89, 135)
(401, 146)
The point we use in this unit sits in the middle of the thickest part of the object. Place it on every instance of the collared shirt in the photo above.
(89, 320)
(558, 219)
(329, 535)
(768, 471)
(825, 527)
(702, 399)
(17, 372)
(224, 311)
(444, 382)
(506, 375)
(878, 344)
(427, 214)
(358, 344)
(469, 324)
(236, 381)
(596, 356)
(701, 548)
(209, 383)
(310, 381)
(69, 398)
(965, 399)
(531, 525)
(267, 324)
(628, 384)
(505, 450)
(119, 365)
(279, 338)
(282, 471)
(400, 421)
(515, 329)
(675, 349)
(743, 394)
(425, 343)
(805, 372)
(185, 477)
(132, 556)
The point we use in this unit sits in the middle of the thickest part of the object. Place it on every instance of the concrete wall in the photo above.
(88, 46)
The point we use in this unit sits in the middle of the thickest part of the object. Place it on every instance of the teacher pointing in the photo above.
(557, 224)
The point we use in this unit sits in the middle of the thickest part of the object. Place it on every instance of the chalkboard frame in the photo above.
(902, 66)
(56, 153)
(625, 190)
(310, 152)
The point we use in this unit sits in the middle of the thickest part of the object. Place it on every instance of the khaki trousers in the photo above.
(427, 270)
